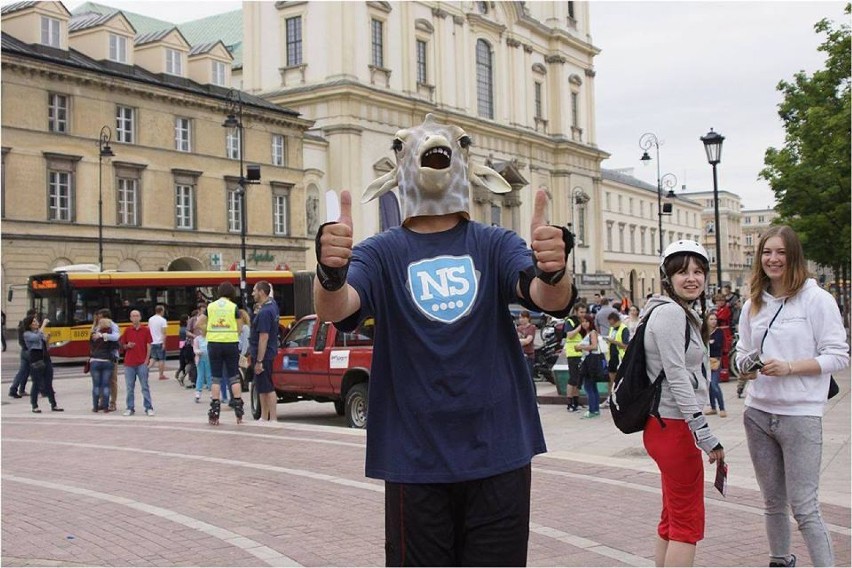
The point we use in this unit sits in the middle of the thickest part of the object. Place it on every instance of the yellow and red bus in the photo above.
(69, 297)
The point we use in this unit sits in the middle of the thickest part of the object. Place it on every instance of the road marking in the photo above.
(846, 531)
(591, 546)
(260, 551)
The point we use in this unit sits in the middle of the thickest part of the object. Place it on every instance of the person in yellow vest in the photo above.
(618, 338)
(573, 337)
(223, 350)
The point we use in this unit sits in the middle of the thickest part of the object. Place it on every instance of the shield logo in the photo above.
(443, 288)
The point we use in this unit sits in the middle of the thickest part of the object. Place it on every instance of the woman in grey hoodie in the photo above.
(792, 330)
(677, 446)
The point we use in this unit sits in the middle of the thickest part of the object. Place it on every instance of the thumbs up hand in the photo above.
(334, 241)
(547, 242)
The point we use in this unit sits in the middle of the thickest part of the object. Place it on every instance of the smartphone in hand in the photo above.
(721, 482)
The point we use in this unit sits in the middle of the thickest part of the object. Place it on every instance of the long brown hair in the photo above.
(672, 266)
(795, 272)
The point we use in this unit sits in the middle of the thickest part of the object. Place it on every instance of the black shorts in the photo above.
(263, 381)
(430, 524)
(574, 378)
(612, 364)
(224, 360)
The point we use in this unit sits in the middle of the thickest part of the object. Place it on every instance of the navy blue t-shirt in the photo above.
(450, 398)
(265, 321)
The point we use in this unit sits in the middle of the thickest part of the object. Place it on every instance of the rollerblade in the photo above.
(237, 403)
(213, 413)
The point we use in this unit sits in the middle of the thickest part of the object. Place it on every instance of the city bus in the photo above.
(69, 297)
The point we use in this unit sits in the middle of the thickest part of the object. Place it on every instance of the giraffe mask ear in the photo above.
(486, 178)
(380, 186)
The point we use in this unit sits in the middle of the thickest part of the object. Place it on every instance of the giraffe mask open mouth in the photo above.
(436, 158)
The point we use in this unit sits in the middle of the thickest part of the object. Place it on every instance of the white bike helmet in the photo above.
(684, 246)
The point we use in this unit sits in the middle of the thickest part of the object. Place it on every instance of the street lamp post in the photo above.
(104, 151)
(234, 122)
(646, 141)
(578, 197)
(713, 146)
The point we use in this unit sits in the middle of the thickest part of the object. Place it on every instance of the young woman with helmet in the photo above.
(793, 330)
(677, 447)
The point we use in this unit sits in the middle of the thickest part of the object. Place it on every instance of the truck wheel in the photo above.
(340, 407)
(255, 402)
(356, 406)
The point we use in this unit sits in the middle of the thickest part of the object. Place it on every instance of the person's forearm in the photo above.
(262, 340)
(337, 305)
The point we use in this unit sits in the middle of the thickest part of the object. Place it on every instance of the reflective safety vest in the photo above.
(572, 342)
(222, 322)
(617, 333)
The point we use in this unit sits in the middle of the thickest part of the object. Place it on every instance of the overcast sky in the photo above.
(676, 69)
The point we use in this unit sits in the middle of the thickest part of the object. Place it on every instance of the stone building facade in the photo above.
(168, 196)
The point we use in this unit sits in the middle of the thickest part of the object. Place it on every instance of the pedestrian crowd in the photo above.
(142, 347)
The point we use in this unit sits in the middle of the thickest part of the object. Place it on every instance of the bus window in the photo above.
(129, 299)
(180, 301)
(86, 303)
(284, 297)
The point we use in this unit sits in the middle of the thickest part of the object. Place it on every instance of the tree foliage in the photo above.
(810, 174)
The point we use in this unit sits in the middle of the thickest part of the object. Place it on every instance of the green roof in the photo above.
(227, 27)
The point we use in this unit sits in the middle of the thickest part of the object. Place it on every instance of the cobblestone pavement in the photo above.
(91, 489)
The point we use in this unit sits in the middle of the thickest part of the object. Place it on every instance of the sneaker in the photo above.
(128, 412)
(112, 408)
(710, 411)
(723, 414)
(605, 404)
(197, 396)
(791, 562)
(149, 412)
(14, 395)
(588, 414)
(164, 378)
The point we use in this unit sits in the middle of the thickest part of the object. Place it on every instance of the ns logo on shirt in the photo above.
(443, 288)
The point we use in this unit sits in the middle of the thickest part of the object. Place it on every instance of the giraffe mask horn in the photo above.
(433, 171)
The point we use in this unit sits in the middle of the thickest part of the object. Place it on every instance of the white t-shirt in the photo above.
(157, 324)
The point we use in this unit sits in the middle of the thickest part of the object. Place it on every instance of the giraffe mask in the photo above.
(433, 171)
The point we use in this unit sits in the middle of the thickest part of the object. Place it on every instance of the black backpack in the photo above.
(634, 397)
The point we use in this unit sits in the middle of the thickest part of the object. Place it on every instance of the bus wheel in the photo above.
(255, 402)
(356, 406)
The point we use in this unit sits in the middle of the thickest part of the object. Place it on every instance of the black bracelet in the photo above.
(553, 278)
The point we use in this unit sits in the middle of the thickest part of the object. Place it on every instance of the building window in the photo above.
(277, 150)
(619, 203)
(124, 124)
(609, 236)
(235, 208)
(621, 238)
(484, 80)
(117, 48)
(633, 239)
(217, 73)
(174, 62)
(183, 136)
(294, 41)
(378, 41)
(571, 10)
(575, 109)
(59, 196)
(184, 206)
(608, 200)
(57, 113)
(760, 218)
(50, 31)
(281, 209)
(232, 144)
(482, 7)
(537, 93)
(128, 201)
(421, 62)
(496, 216)
(749, 240)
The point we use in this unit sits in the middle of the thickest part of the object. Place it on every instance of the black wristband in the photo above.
(331, 279)
(553, 278)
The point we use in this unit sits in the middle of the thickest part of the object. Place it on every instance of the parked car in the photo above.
(538, 319)
(316, 361)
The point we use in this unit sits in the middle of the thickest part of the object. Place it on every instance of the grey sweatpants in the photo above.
(786, 452)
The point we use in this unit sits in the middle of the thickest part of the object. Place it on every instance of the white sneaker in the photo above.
(128, 412)
(197, 396)
(150, 412)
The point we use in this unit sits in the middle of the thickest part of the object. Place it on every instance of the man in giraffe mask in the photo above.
(453, 423)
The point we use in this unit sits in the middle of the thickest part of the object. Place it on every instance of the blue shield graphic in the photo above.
(443, 288)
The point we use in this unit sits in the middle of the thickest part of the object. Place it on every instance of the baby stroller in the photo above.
(186, 373)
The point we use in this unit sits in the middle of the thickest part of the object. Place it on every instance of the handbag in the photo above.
(87, 367)
(833, 388)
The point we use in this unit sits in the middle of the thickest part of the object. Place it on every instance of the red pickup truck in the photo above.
(316, 361)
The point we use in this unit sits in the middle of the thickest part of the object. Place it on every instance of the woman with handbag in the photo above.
(716, 341)
(101, 362)
(36, 339)
(792, 334)
(591, 365)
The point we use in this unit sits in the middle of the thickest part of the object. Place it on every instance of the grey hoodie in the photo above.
(685, 388)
